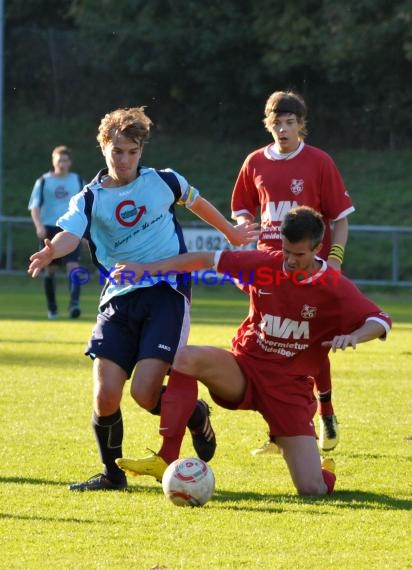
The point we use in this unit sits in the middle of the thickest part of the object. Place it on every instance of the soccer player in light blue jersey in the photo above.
(49, 200)
(128, 212)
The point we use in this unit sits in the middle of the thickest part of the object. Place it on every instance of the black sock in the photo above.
(109, 436)
(156, 410)
(325, 396)
(74, 289)
(50, 290)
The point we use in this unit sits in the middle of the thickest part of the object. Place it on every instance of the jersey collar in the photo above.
(314, 276)
(271, 154)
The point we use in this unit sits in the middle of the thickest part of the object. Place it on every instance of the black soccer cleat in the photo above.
(100, 482)
(203, 437)
(74, 311)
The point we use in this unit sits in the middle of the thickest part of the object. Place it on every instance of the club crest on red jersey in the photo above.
(297, 185)
(308, 312)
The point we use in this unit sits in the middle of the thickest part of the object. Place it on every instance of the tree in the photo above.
(209, 66)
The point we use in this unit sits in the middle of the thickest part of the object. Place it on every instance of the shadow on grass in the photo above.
(30, 481)
(54, 483)
(268, 502)
(340, 499)
(133, 488)
(6, 516)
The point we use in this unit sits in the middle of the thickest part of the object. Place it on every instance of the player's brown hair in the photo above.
(284, 103)
(303, 223)
(62, 149)
(131, 122)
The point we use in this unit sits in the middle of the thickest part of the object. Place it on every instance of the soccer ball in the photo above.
(188, 482)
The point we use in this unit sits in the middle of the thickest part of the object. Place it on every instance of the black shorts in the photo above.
(72, 257)
(151, 322)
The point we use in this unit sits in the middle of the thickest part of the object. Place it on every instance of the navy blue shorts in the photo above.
(72, 257)
(151, 322)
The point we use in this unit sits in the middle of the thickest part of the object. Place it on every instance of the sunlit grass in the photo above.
(255, 519)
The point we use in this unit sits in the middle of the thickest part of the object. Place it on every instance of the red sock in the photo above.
(178, 403)
(330, 479)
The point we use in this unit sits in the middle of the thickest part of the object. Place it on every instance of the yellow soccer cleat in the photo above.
(152, 465)
(328, 464)
(329, 432)
(268, 448)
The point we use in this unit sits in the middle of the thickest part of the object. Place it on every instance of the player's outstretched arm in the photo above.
(178, 263)
(41, 259)
(368, 331)
(240, 234)
(62, 244)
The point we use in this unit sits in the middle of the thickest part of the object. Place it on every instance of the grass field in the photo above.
(255, 519)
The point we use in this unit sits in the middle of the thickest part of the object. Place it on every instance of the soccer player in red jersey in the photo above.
(299, 310)
(282, 175)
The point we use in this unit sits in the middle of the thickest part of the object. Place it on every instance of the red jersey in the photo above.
(308, 178)
(288, 320)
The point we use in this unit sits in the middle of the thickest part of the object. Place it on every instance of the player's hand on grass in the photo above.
(341, 342)
(41, 259)
(245, 233)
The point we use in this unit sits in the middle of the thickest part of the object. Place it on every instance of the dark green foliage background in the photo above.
(204, 71)
(209, 66)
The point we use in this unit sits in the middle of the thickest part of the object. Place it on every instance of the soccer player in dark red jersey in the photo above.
(282, 175)
(299, 310)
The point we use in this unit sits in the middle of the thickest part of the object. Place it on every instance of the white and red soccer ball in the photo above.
(188, 482)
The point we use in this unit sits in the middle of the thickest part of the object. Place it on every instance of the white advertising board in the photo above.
(207, 239)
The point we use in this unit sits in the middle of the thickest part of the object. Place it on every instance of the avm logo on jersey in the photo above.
(276, 211)
(277, 327)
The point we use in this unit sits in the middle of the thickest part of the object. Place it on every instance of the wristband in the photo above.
(337, 252)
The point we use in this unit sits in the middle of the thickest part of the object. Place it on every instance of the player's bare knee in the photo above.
(182, 359)
(187, 359)
(106, 403)
(146, 399)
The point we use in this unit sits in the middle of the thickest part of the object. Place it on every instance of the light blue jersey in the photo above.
(135, 222)
(52, 195)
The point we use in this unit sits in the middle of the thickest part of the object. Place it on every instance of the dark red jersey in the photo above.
(272, 187)
(289, 319)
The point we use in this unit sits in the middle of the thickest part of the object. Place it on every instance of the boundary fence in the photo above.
(395, 243)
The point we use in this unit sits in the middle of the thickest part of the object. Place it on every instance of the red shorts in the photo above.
(287, 403)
